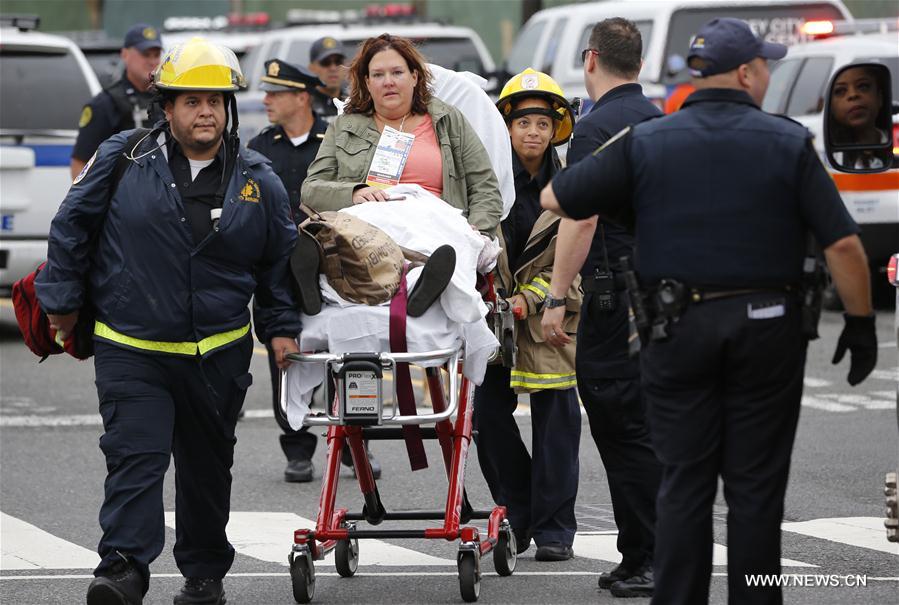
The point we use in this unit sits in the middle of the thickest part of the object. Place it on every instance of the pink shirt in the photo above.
(425, 164)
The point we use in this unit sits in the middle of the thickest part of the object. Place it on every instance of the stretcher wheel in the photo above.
(302, 577)
(505, 553)
(346, 557)
(469, 576)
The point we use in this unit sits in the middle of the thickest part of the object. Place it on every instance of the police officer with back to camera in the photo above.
(291, 143)
(326, 60)
(722, 197)
(171, 254)
(123, 105)
(608, 378)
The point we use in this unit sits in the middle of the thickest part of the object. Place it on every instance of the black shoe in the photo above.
(346, 458)
(522, 539)
(554, 552)
(640, 584)
(432, 282)
(201, 591)
(620, 572)
(299, 471)
(121, 584)
(304, 263)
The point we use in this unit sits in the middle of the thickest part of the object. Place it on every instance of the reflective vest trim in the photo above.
(538, 286)
(206, 345)
(542, 381)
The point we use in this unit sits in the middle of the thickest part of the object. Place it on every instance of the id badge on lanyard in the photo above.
(390, 158)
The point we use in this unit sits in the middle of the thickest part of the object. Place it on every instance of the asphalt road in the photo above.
(51, 477)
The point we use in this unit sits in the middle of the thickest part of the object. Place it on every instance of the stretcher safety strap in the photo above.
(415, 446)
(210, 343)
(531, 380)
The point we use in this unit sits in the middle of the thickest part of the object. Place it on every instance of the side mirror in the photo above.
(858, 123)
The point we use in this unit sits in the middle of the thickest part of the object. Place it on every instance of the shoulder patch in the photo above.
(250, 192)
(87, 166)
(86, 115)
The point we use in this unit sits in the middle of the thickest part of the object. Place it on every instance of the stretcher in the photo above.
(362, 410)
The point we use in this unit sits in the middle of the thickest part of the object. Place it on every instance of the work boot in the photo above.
(304, 263)
(347, 459)
(201, 591)
(434, 278)
(121, 584)
(641, 584)
(299, 470)
(620, 572)
(554, 552)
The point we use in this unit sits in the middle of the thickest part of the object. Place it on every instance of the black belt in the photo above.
(698, 295)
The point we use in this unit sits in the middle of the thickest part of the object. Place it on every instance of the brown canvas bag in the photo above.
(360, 261)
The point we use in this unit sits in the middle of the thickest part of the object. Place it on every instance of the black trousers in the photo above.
(617, 417)
(538, 489)
(296, 444)
(723, 395)
(155, 407)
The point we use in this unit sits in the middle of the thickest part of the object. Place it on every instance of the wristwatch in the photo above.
(550, 302)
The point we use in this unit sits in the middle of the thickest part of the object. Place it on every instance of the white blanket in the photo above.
(421, 222)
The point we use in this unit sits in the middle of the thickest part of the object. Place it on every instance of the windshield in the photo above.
(775, 23)
(522, 54)
(41, 91)
(459, 54)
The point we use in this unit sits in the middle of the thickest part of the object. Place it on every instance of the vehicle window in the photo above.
(459, 54)
(107, 66)
(251, 62)
(775, 23)
(808, 92)
(892, 64)
(783, 75)
(41, 91)
(522, 54)
(552, 46)
(298, 52)
(645, 28)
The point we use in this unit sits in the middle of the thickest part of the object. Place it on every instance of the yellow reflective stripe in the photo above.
(177, 348)
(541, 282)
(540, 293)
(533, 380)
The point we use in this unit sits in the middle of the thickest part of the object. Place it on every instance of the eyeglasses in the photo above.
(584, 54)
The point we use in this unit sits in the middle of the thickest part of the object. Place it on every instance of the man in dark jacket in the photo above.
(171, 256)
(122, 105)
(608, 379)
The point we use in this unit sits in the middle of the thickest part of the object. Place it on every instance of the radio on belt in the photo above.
(359, 387)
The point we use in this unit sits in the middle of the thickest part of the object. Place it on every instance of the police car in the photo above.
(797, 88)
(45, 81)
(552, 39)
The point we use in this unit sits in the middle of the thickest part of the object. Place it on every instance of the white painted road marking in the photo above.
(24, 546)
(864, 532)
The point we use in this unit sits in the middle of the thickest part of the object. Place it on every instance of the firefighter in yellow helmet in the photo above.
(538, 489)
(172, 232)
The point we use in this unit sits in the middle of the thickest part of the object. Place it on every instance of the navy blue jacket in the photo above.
(135, 255)
(720, 193)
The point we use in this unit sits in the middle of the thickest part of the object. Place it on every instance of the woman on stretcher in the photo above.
(393, 130)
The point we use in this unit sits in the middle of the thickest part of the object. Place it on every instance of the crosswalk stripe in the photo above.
(268, 536)
(25, 546)
(864, 532)
(602, 546)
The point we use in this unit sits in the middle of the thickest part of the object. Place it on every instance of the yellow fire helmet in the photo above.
(199, 64)
(532, 83)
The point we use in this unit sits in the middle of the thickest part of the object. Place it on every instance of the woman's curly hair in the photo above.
(360, 100)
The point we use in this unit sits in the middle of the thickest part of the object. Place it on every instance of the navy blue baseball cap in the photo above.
(726, 43)
(142, 36)
(325, 47)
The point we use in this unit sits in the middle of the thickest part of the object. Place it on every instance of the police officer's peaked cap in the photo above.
(726, 43)
(281, 76)
(325, 47)
(142, 37)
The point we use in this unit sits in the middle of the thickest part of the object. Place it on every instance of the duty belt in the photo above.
(210, 343)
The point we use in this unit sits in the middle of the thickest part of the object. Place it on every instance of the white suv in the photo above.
(797, 88)
(44, 83)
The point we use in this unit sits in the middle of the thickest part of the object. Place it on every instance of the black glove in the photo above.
(860, 337)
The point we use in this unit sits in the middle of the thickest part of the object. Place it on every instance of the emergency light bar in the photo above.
(825, 29)
(23, 23)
